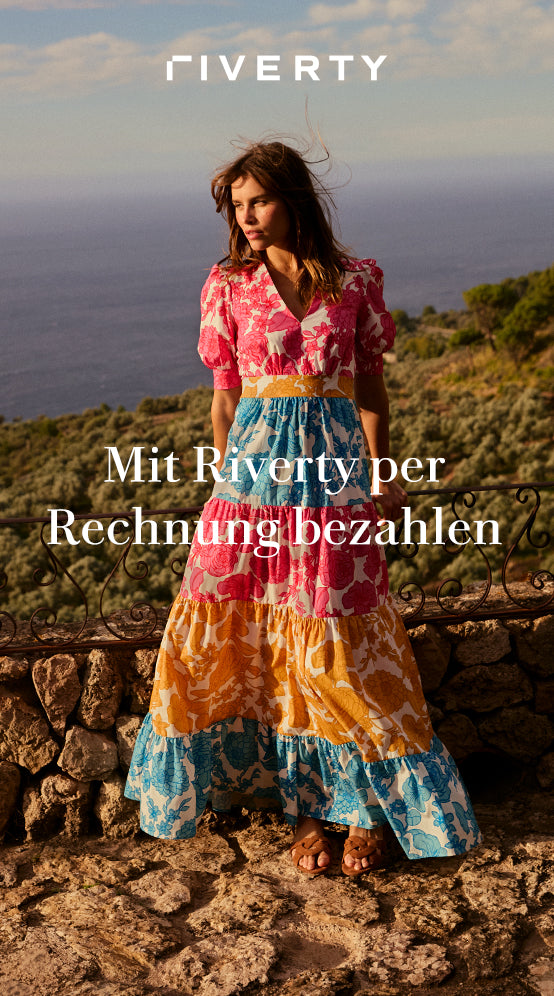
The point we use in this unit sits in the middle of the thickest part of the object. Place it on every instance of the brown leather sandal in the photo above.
(313, 843)
(373, 848)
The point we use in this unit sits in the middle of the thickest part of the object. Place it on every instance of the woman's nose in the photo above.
(249, 213)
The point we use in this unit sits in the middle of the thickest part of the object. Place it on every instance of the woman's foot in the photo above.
(364, 850)
(311, 852)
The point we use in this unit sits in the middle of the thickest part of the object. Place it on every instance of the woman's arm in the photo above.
(372, 400)
(223, 412)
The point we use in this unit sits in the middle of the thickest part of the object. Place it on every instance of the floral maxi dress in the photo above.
(285, 677)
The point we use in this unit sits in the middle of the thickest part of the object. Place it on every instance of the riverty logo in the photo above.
(268, 67)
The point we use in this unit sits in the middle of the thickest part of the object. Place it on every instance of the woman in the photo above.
(285, 676)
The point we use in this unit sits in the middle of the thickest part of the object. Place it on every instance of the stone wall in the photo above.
(68, 721)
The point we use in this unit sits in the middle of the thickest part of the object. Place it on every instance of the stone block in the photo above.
(12, 669)
(24, 734)
(102, 692)
(535, 646)
(58, 804)
(545, 771)
(486, 687)
(544, 696)
(459, 736)
(518, 732)
(88, 756)
(56, 680)
(482, 642)
(10, 778)
(126, 729)
(118, 816)
(139, 680)
(432, 653)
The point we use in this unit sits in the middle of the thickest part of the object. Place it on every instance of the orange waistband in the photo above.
(297, 386)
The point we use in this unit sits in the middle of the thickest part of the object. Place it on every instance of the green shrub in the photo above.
(530, 313)
(404, 324)
(424, 346)
(465, 337)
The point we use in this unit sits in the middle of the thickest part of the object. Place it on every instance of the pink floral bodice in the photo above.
(247, 330)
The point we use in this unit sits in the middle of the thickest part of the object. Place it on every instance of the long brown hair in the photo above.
(281, 170)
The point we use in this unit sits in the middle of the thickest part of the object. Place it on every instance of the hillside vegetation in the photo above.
(473, 387)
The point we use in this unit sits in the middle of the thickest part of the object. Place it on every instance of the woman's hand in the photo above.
(391, 499)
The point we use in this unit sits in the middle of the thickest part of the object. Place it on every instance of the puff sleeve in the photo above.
(218, 331)
(375, 329)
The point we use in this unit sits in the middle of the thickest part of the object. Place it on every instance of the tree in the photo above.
(468, 336)
(531, 312)
(404, 324)
(490, 304)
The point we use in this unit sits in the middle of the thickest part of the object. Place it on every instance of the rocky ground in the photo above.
(226, 913)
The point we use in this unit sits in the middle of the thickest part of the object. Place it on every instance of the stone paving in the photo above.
(226, 913)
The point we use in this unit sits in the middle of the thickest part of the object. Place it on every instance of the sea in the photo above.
(99, 298)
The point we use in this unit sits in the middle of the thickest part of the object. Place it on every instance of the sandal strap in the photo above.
(364, 847)
(312, 843)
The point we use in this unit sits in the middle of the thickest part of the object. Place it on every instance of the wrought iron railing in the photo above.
(487, 582)
(525, 585)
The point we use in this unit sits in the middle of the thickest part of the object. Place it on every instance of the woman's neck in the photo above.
(284, 281)
(282, 261)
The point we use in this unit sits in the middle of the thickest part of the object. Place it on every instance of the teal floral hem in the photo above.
(421, 796)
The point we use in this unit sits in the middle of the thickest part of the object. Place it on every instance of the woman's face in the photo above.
(262, 215)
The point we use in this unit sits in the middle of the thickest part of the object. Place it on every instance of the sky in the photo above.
(465, 89)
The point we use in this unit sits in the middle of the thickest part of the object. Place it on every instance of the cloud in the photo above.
(74, 65)
(404, 8)
(511, 37)
(468, 38)
(324, 13)
(385, 10)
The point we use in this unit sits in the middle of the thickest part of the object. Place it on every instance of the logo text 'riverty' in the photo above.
(268, 67)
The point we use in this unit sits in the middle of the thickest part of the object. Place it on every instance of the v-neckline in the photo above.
(315, 299)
